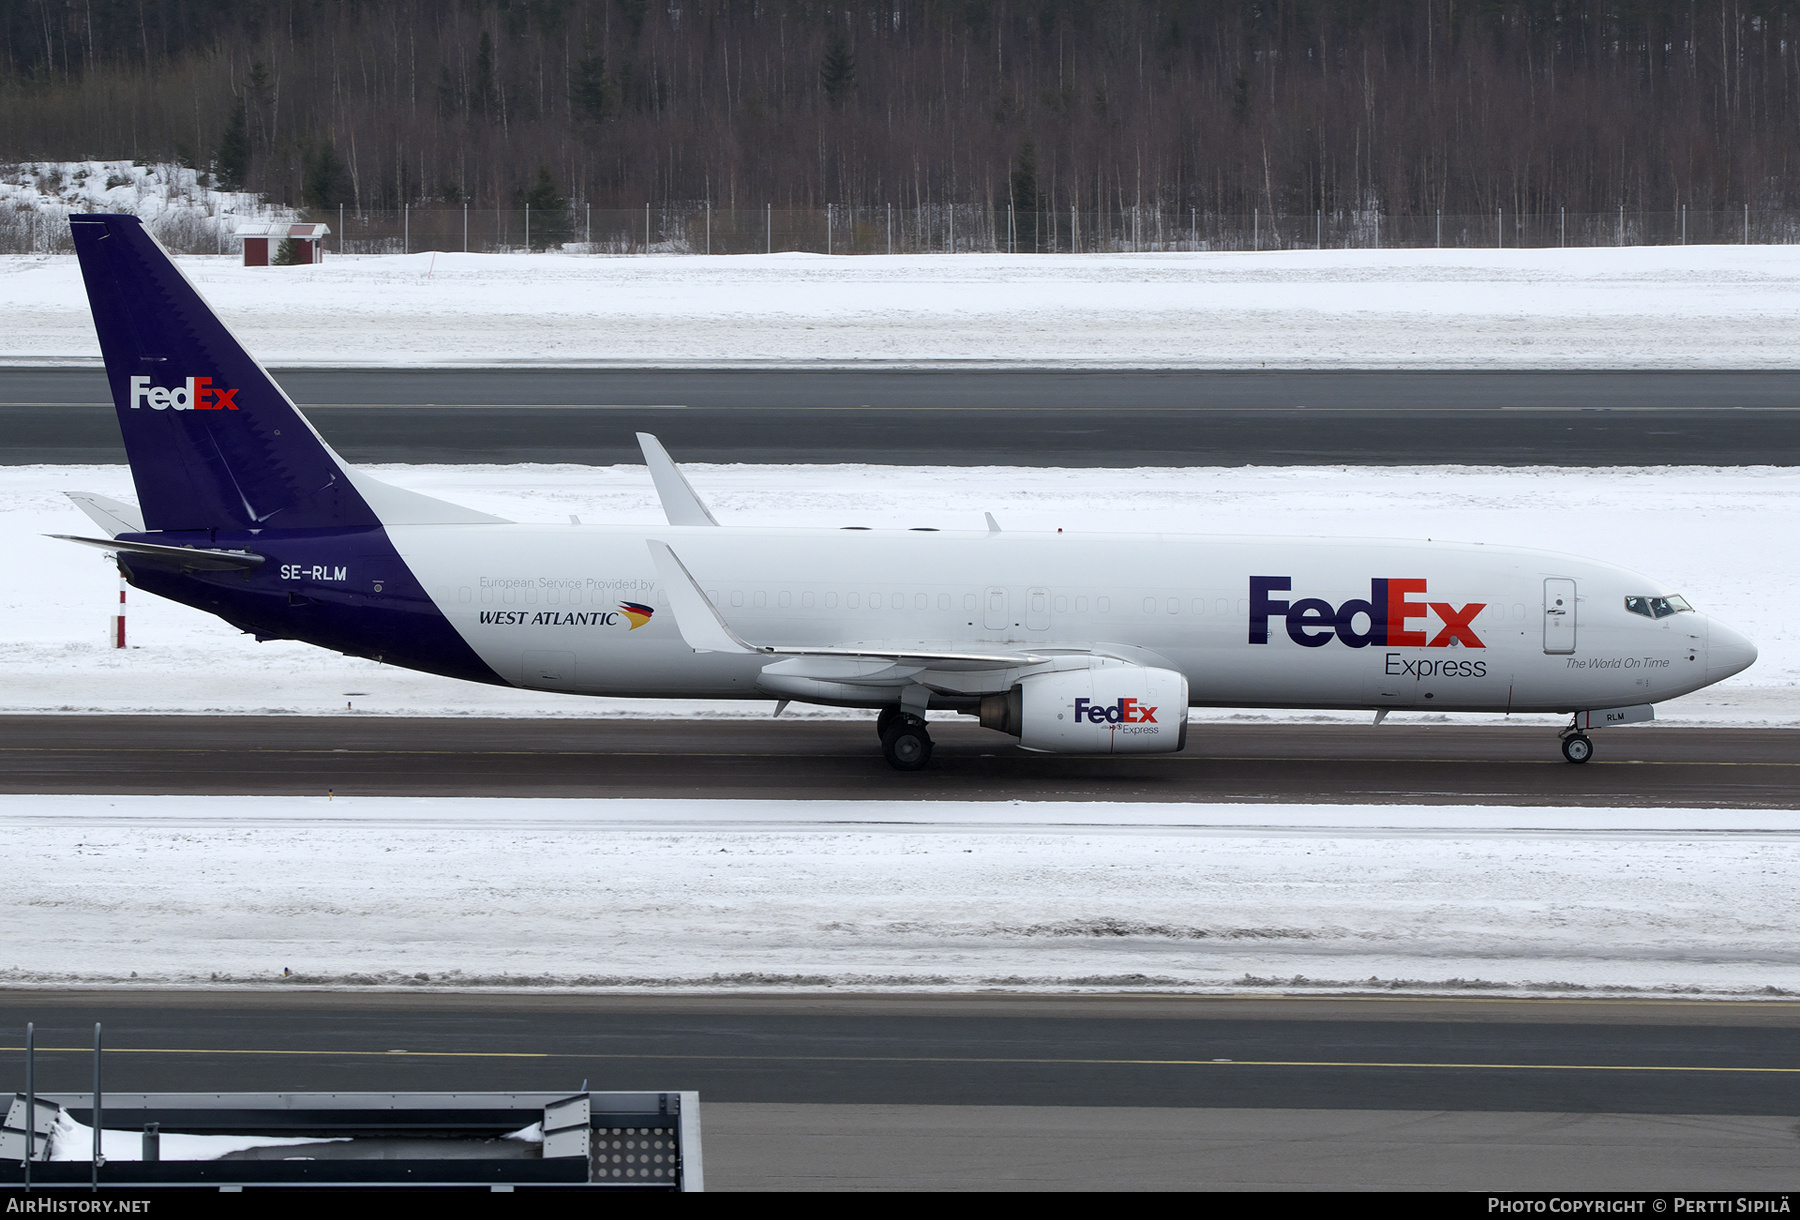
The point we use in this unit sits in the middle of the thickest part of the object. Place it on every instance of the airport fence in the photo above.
(703, 229)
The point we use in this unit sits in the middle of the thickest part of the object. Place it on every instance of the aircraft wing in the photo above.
(705, 629)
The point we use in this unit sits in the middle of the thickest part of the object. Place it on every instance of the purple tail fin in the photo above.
(213, 442)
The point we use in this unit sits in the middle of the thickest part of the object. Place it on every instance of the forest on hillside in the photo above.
(1393, 106)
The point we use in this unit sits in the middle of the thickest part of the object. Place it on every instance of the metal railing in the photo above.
(963, 228)
(698, 228)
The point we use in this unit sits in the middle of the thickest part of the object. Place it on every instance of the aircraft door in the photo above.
(995, 616)
(1559, 615)
(1037, 609)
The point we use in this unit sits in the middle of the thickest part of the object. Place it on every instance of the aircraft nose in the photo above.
(1727, 652)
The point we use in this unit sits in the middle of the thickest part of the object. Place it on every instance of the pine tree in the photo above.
(486, 95)
(257, 93)
(634, 11)
(324, 183)
(589, 90)
(1025, 195)
(549, 211)
(837, 74)
(232, 162)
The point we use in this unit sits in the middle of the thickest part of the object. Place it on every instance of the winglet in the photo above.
(993, 525)
(695, 616)
(679, 503)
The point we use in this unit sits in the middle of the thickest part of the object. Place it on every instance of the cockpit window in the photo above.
(1656, 607)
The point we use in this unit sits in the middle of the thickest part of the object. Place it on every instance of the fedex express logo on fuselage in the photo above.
(195, 394)
(1313, 622)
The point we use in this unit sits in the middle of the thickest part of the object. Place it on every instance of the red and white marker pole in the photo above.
(118, 632)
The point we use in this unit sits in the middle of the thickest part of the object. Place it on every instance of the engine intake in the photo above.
(1116, 709)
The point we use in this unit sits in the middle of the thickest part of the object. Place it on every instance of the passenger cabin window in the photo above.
(1656, 607)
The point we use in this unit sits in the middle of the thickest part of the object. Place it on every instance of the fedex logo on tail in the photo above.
(195, 394)
(1125, 711)
(1390, 610)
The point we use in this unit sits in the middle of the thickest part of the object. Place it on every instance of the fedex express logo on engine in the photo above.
(1313, 622)
(195, 394)
(1125, 711)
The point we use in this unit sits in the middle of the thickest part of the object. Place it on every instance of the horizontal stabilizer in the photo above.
(680, 504)
(202, 559)
(112, 516)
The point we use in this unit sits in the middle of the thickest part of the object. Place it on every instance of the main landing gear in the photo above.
(1577, 747)
(904, 741)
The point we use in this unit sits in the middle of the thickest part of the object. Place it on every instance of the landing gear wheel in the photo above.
(885, 721)
(906, 744)
(1577, 748)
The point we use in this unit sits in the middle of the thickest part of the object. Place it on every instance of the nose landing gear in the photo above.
(904, 741)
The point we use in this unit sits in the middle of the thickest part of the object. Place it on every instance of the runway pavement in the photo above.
(379, 756)
(985, 417)
(886, 1091)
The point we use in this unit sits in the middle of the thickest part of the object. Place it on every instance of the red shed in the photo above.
(260, 236)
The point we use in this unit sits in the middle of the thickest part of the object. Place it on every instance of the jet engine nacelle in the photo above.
(1115, 709)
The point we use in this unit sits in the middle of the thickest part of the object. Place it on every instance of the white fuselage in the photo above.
(541, 604)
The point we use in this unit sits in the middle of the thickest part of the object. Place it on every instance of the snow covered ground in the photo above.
(37, 197)
(1719, 535)
(1646, 307)
(943, 895)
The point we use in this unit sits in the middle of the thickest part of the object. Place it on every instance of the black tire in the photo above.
(885, 721)
(906, 745)
(1577, 748)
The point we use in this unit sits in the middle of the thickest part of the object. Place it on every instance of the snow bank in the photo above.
(1644, 307)
(741, 894)
(37, 197)
(73, 1141)
(1705, 530)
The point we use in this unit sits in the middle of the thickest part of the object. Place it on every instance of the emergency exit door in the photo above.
(1559, 615)
(995, 614)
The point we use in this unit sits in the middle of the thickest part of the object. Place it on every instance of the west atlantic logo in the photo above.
(631, 613)
(1313, 622)
(194, 394)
